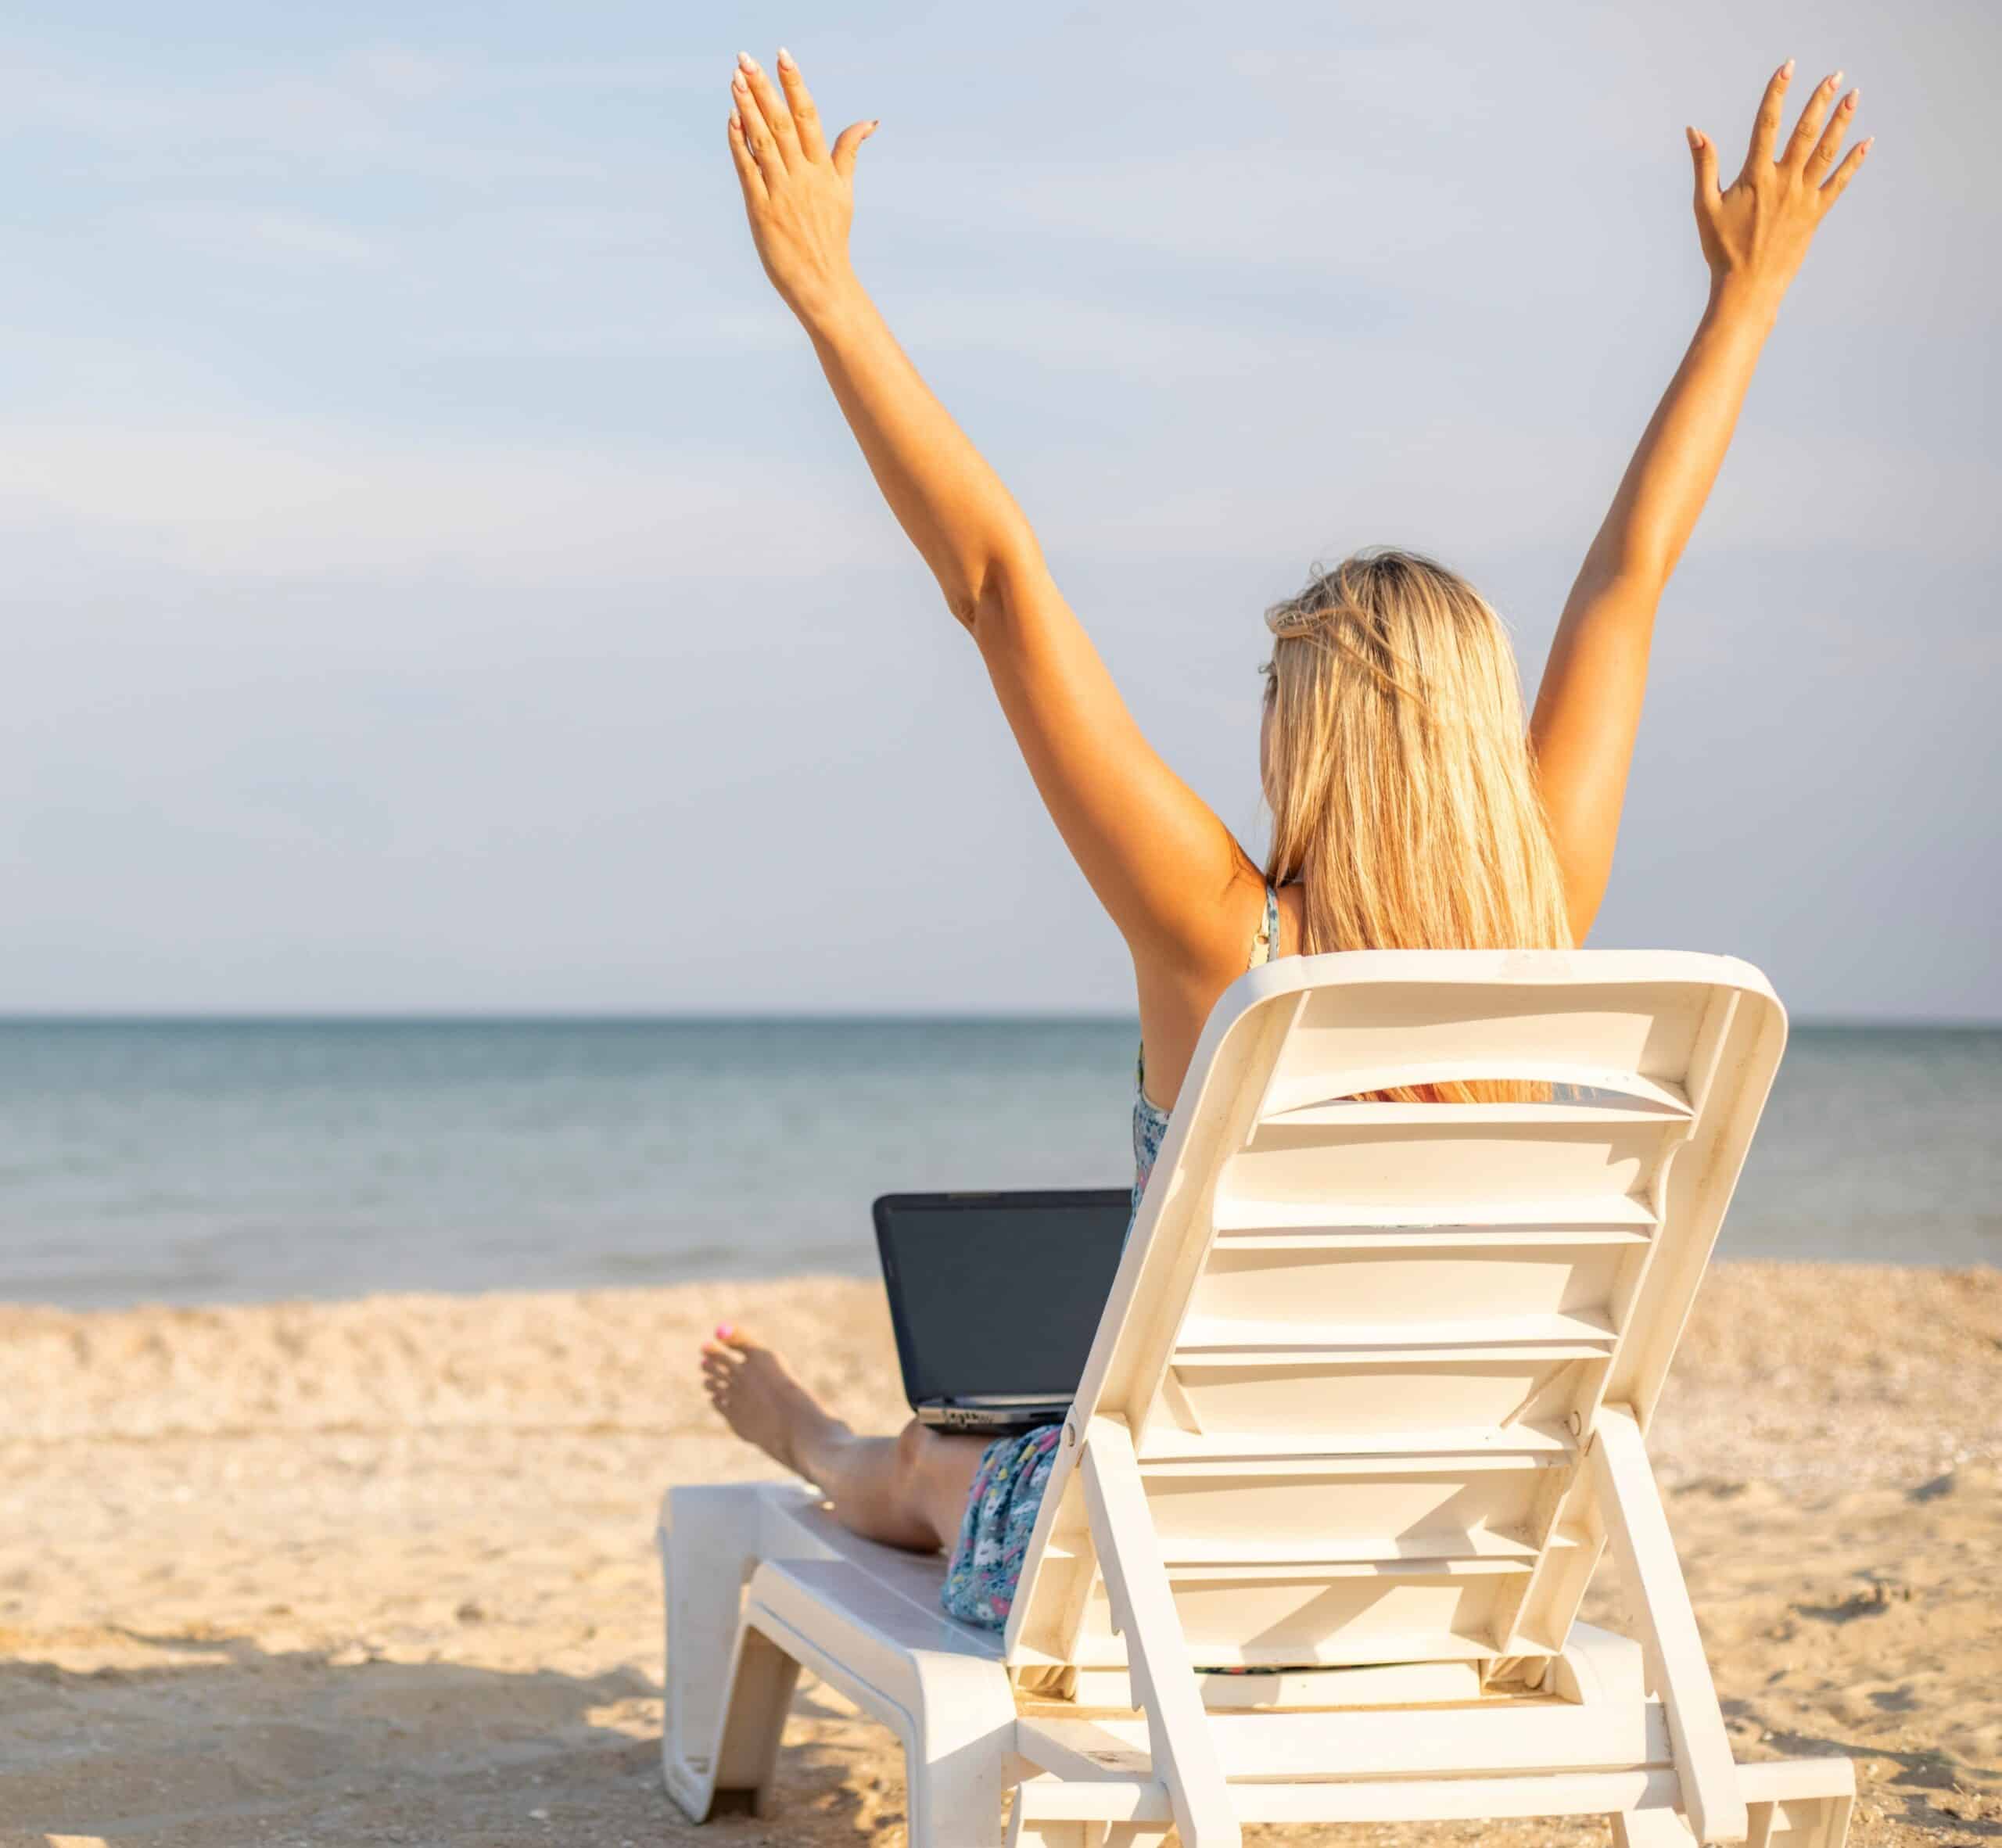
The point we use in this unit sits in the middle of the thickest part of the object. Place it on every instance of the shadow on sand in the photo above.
(229, 1745)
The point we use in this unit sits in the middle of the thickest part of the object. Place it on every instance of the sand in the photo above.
(382, 1571)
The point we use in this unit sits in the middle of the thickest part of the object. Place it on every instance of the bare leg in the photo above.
(908, 1491)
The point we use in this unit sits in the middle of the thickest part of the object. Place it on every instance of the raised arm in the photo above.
(1156, 854)
(1754, 234)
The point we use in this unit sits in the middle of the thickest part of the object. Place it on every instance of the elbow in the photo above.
(983, 597)
(1641, 564)
(977, 607)
(1645, 577)
(979, 603)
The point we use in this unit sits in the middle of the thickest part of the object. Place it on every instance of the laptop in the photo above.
(995, 1298)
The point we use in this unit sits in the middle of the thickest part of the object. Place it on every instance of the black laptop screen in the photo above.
(997, 1292)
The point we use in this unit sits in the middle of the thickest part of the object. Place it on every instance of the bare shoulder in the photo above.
(1176, 997)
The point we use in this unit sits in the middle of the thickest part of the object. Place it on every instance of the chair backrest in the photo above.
(1359, 1346)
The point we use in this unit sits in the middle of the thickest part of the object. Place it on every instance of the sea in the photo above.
(191, 1161)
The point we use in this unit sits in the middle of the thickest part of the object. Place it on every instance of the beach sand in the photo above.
(382, 1571)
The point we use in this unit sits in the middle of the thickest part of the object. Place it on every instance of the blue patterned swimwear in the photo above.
(1006, 1496)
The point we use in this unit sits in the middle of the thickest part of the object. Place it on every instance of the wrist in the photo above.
(1736, 297)
(830, 302)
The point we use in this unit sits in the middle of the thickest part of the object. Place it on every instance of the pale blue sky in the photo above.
(437, 578)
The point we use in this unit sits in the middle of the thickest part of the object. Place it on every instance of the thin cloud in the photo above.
(342, 121)
(220, 230)
(291, 500)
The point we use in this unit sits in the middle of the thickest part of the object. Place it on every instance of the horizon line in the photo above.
(715, 1016)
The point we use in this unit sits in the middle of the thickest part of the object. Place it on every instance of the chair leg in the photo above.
(958, 1748)
(1086, 1835)
(1789, 1803)
(710, 1540)
(1800, 1822)
(755, 1702)
(1651, 1828)
(1053, 1835)
(1050, 1833)
(1797, 1803)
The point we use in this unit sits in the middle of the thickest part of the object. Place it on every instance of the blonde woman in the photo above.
(1412, 807)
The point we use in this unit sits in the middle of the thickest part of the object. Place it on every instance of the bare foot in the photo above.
(760, 1401)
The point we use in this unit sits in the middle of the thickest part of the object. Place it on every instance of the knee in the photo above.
(914, 1444)
(924, 1462)
(930, 1491)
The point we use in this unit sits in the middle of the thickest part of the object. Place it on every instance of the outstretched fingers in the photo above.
(1823, 159)
(742, 158)
(758, 136)
(1843, 174)
(799, 99)
(772, 106)
(1807, 130)
(1703, 154)
(847, 144)
(1765, 124)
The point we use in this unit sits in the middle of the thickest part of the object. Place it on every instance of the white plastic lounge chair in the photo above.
(1368, 1400)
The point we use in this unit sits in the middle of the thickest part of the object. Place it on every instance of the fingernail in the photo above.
(750, 62)
(785, 59)
(738, 85)
(1848, 102)
(1834, 78)
(1786, 70)
(722, 1331)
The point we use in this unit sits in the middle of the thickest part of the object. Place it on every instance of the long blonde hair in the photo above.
(1403, 793)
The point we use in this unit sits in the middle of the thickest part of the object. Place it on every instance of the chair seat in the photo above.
(814, 1596)
(915, 1581)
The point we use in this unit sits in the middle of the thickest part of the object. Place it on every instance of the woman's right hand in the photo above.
(798, 194)
(1755, 231)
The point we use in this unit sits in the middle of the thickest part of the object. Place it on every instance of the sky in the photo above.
(437, 578)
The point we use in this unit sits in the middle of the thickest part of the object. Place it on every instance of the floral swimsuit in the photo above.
(1007, 1489)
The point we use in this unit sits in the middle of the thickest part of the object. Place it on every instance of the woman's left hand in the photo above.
(1756, 230)
(798, 194)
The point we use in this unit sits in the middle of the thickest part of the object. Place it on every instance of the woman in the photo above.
(1410, 809)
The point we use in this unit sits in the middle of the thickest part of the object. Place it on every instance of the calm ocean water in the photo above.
(207, 1162)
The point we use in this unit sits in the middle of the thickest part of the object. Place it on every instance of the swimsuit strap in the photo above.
(1264, 947)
